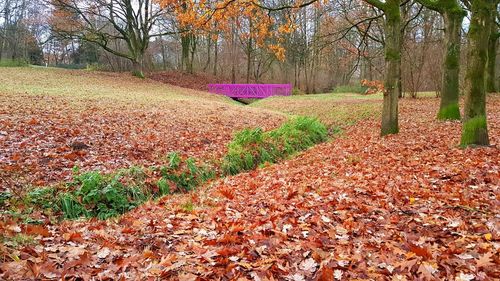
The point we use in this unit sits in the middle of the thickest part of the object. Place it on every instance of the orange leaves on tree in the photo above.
(374, 86)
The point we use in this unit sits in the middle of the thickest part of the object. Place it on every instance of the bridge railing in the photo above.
(250, 90)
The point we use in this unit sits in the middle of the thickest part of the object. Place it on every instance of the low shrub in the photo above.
(357, 89)
(252, 147)
(71, 66)
(43, 197)
(94, 67)
(297, 92)
(13, 63)
(182, 176)
(93, 194)
(101, 196)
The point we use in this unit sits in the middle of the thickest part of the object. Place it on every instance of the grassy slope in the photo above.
(93, 85)
(332, 109)
(124, 120)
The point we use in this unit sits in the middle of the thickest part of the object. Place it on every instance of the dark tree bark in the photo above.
(475, 128)
(491, 79)
(392, 49)
(453, 15)
(448, 108)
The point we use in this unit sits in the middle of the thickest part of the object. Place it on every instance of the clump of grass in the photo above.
(184, 176)
(252, 147)
(450, 112)
(43, 197)
(101, 196)
(474, 131)
(94, 194)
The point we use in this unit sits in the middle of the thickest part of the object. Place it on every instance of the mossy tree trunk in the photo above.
(186, 42)
(138, 67)
(491, 80)
(448, 108)
(453, 15)
(392, 49)
(392, 67)
(474, 128)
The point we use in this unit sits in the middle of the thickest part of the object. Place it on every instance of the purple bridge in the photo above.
(250, 91)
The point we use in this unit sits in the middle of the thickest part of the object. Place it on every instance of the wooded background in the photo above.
(321, 46)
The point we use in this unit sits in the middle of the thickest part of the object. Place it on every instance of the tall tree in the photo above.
(392, 49)
(104, 22)
(491, 79)
(475, 128)
(453, 15)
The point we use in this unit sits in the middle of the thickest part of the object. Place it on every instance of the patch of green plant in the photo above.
(474, 131)
(174, 160)
(13, 63)
(18, 240)
(105, 196)
(163, 187)
(450, 112)
(298, 134)
(188, 207)
(185, 176)
(42, 197)
(297, 92)
(138, 74)
(5, 196)
(71, 208)
(252, 147)
(358, 89)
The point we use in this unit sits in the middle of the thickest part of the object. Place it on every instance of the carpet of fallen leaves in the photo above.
(412, 206)
(103, 123)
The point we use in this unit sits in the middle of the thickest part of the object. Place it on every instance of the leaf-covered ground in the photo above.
(52, 120)
(412, 206)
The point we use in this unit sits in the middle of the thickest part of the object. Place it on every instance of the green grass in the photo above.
(83, 85)
(317, 97)
(13, 63)
(253, 147)
(334, 110)
(474, 131)
(450, 112)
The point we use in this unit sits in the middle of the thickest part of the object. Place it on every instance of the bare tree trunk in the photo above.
(233, 55)
(474, 128)
(138, 66)
(392, 67)
(449, 109)
(216, 55)
(491, 80)
(209, 53)
(192, 49)
(163, 51)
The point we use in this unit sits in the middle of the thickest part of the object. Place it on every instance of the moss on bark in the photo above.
(449, 112)
(475, 131)
(392, 50)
